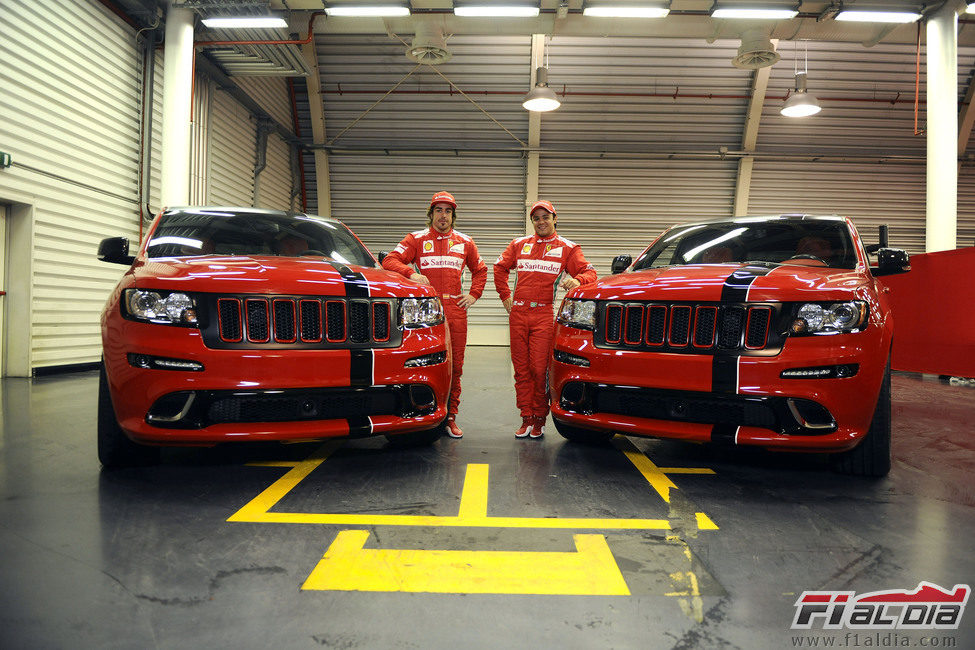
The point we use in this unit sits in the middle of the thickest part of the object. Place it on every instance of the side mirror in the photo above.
(620, 263)
(381, 255)
(891, 261)
(115, 250)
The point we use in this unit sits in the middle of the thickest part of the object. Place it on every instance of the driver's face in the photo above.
(442, 217)
(544, 222)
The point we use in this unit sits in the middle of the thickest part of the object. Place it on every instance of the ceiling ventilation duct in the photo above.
(756, 51)
(429, 43)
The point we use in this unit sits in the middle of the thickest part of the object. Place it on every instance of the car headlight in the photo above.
(420, 312)
(161, 307)
(830, 318)
(578, 313)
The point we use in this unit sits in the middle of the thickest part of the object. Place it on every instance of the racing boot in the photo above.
(453, 430)
(526, 427)
(538, 428)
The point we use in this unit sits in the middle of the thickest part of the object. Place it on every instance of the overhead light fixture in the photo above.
(621, 10)
(800, 103)
(495, 10)
(755, 12)
(970, 9)
(367, 11)
(870, 16)
(541, 98)
(244, 22)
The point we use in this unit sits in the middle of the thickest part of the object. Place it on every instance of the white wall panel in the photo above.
(233, 136)
(69, 116)
(384, 197)
(271, 94)
(275, 182)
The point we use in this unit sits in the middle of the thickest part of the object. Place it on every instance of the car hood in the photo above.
(730, 282)
(271, 276)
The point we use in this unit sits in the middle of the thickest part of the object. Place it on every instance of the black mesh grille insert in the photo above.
(358, 321)
(656, 324)
(309, 406)
(634, 323)
(614, 323)
(284, 320)
(257, 320)
(758, 326)
(228, 310)
(680, 324)
(704, 326)
(335, 319)
(311, 320)
(729, 336)
(380, 321)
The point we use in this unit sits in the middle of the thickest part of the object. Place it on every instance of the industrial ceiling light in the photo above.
(970, 9)
(495, 10)
(800, 103)
(620, 9)
(365, 11)
(541, 98)
(756, 11)
(244, 22)
(878, 16)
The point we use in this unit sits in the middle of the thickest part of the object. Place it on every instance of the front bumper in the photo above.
(731, 399)
(276, 394)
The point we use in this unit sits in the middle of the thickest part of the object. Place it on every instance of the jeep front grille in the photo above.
(696, 328)
(304, 321)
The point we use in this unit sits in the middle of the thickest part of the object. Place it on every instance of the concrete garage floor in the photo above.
(713, 547)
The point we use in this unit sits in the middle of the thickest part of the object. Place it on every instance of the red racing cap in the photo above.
(543, 204)
(443, 197)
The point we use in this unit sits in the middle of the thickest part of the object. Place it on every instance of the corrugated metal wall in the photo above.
(271, 94)
(275, 182)
(233, 138)
(69, 116)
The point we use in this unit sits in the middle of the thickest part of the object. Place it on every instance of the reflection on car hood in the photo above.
(736, 282)
(270, 275)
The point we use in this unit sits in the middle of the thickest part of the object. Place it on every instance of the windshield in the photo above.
(820, 242)
(183, 233)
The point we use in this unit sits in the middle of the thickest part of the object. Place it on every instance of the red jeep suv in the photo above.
(767, 331)
(245, 324)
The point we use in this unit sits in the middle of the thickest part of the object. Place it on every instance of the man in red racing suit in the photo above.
(538, 261)
(439, 254)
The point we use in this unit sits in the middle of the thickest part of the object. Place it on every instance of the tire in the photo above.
(418, 438)
(872, 456)
(585, 436)
(114, 447)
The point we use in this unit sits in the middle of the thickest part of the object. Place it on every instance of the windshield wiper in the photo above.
(765, 263)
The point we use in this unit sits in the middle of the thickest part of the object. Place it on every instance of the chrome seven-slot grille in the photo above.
(310, 322)
(698, 328)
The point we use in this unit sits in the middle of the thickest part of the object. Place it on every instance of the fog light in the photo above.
(426, 360)
(822, 372)
(162, 363)
(571, 359)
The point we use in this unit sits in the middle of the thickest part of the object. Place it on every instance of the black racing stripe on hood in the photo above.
(356, 285)
(724, 367)
(737, 284)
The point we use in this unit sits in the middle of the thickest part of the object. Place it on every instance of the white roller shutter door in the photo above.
(870, 194)
(384, 197)
(617, 206)
(69, 116)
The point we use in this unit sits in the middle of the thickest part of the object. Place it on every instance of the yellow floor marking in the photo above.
(704, 522)
(257, 507)
(346, 566)
(473, 497)
(657, 479)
